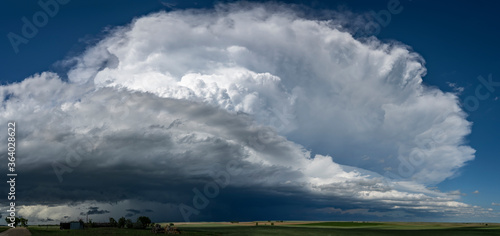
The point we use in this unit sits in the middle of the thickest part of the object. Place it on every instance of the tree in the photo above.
(138, 225)
(24, 222)
(122, 222)
(113, 222)
(16, 221)
(82, 223)
(89, 224)
(129, 224)
(144, 220)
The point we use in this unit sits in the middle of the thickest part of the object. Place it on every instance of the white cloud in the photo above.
(79, 211)
(458, 90)
(174, 96)
(476, 192)
(315, 84)
(457, 193)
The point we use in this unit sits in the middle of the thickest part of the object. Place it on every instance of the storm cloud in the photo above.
(313, 122)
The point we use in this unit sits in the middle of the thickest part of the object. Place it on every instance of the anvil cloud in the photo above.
(318, 123)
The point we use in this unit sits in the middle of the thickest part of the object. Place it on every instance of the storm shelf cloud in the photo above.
(317, 123)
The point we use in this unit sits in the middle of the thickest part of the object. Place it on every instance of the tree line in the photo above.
(141, 223)
(18, 220)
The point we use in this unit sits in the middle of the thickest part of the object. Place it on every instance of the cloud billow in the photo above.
(304, 109)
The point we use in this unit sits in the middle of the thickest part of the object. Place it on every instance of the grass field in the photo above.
(295, 228)
(3, 228)
(55, 231)
(342, 224)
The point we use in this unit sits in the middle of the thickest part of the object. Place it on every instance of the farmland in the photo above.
(295, 228)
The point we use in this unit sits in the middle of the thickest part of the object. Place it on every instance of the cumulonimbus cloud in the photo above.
(300, 104)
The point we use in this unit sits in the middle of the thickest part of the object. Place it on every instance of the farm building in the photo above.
(63, 225)
(71, 225)
(76, 225)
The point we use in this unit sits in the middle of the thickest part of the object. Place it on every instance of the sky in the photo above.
(255, 110)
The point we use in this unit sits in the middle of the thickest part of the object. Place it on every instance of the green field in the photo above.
(342, 224)
(3, 228)
(295, 228)
(55, 231)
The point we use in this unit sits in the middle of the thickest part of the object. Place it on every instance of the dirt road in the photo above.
(16, 232)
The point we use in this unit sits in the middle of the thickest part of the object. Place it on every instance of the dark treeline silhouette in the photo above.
(142, 222)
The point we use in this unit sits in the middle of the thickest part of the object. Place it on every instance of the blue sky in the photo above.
(457, 40)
